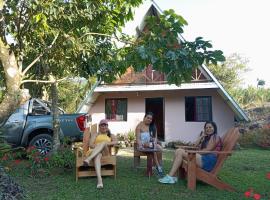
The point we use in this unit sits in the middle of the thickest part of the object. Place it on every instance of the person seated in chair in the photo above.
(99, 145)
(207, 141)
(146, 135)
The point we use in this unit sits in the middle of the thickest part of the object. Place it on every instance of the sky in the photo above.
(233, 26)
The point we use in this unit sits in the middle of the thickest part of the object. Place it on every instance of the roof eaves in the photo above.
(236, 108)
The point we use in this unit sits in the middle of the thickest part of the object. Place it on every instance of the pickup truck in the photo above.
(31, 125)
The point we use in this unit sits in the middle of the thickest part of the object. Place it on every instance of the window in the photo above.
(198, 109)
(116, 109)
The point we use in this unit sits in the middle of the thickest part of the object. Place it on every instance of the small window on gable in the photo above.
(198, 109)
(116, 109)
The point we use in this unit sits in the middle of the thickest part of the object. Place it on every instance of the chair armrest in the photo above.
(78, 151)
(206, 152)
(187, 147)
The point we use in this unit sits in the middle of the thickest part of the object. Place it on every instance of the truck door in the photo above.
(13, 128)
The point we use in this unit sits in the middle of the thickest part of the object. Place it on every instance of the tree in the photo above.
(260, 82)
(229, 72)
(78, 38)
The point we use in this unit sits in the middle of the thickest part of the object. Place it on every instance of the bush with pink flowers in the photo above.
(37, 164)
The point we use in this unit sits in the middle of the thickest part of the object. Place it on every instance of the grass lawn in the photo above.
(243, 170)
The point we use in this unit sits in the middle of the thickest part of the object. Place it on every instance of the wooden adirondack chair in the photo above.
(193, 172)
(108, 163)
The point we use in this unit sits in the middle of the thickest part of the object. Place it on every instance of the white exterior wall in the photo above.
(175, 126)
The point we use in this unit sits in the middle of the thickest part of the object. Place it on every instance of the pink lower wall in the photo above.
(176, 128)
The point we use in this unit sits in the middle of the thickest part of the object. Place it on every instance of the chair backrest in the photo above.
(86, 137)
(229, 140)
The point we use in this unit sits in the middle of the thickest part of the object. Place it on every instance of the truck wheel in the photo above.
(43, 143)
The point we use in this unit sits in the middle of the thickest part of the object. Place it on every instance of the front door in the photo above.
(155, 105)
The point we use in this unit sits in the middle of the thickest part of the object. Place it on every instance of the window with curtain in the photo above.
(116, 109)
(198, 109)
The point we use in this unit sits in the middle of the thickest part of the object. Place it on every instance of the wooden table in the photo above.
(150, 157)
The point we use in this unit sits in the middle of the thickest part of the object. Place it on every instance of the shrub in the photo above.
(4, 147)
(120, 137)
(126, 139)
(262, 138)
(131, 137)
(246, 139)
(259, 138)
(64, 158)
(175, 144)
(41, 165)
(38, 163)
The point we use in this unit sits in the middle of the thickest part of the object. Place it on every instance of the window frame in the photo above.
(125, 116)
(210, 117)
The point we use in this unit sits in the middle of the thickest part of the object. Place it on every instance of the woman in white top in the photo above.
(146, 136)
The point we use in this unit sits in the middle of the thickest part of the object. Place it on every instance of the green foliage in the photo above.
(4, 147)
(176, 144)
(120, 137)
(244, 169)
(256, 138)
(262, 138)
(37, 164)
(246, 139)
(64, 158)
(126, 139)
(229, 72)
(71, 93)
(260, 82)
(131, 136)
(251, 97)
(84, 33)
(159, 44)
(80, 27)
(1, 95)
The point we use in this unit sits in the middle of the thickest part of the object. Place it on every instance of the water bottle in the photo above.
(151, 143)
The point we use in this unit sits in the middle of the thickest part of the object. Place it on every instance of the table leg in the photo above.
(149, 171)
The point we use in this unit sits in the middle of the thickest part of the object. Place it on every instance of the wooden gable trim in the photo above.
(150, 76)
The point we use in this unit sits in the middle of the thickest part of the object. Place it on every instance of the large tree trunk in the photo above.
(14, 95)
(56, 122)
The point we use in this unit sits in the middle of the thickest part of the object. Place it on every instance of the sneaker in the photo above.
(167, 180)
(159, 171)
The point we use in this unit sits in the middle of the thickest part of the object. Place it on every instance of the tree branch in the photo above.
(34, 61)
(43, 81)
(106, 35)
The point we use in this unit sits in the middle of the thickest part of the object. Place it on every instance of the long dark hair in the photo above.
(109, 133)
(152, 126)
(208, 137)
